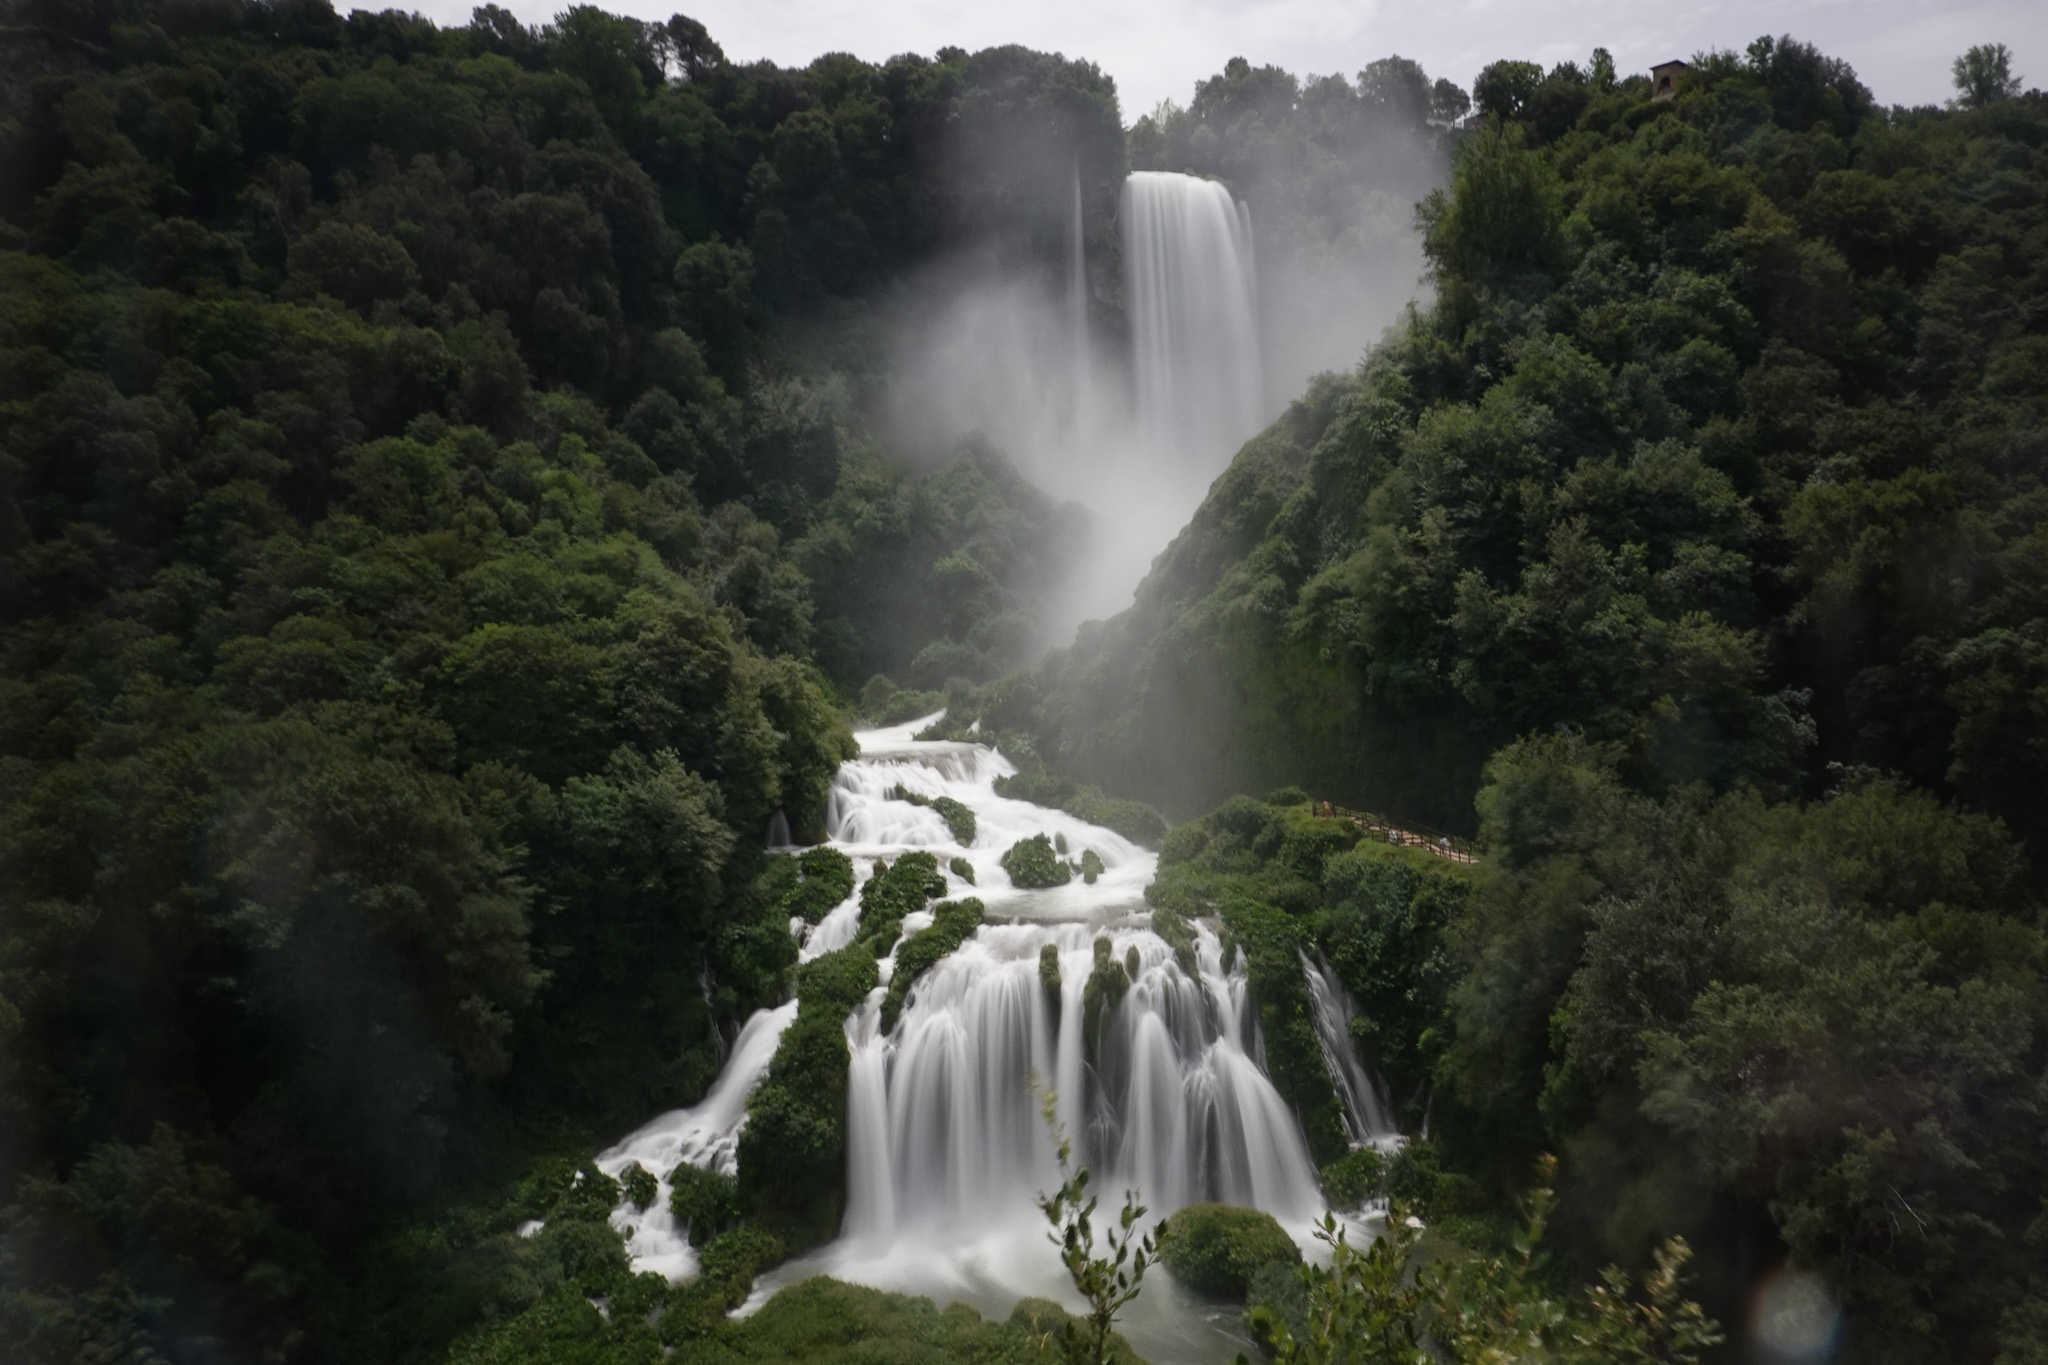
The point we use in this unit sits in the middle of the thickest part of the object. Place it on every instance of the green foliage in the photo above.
(893, 892)
(707, 1201)
(1984, 74)
(825, 881)
(1376, 1303)
(1049, 971)
(953, 923)
(638, 1186)
(1355, 1177)
(792, 1152)
(1031, 864)
(959, 817)
(1091, 865)
(961, 868)
(1135, 820)
(1108, 1280)
(1108, 982)
(824, 1322)
(1216, 1250)
(1178, 935)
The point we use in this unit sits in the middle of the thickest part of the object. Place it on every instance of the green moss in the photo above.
(1131, 962)
(1091, 866)
(959, 819)
(962, 869)
(639, 1185)
(893, 892)
(1216, 1249)
(1032, 863)
(1107, 985)
(1049, 972)
(707, 1201)
(953, 922)
(1179, 935)
(792, 1152)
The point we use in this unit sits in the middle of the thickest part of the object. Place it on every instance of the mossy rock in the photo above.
(962, 869)
(959, 819)
(1173, 928)
(1049, 972)
(1033, 863)
(1091, 866)
(1216, 1249)
(953, 922)
(893, 892)
(1107, 985)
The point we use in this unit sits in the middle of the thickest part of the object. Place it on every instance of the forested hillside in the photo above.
(423, 577)
(1688, 549)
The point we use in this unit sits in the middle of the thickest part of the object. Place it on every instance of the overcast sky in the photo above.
(1158, 49)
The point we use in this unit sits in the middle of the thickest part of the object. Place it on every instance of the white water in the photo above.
(1365, 1109)
(1192, 291)
(947, 1152)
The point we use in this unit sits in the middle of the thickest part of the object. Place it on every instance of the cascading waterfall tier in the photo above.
(947, 1150)
(1192, 293)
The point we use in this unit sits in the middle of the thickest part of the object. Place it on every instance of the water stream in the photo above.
(947, 1151)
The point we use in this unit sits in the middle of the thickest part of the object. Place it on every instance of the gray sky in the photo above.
(1158, 49)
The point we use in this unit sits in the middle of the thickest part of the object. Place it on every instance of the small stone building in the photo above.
(1665, 78)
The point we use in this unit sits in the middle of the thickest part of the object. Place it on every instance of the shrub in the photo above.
(1178, 934)
(1355, 1177)
(1049, 972)
(707, 1201)
(1287, 796)
(962, 869)
(729, 1264)
(952, 924)
(826, 879)
(892, 893)
(639, 1185)
(1216, 1249)
(959, 819)
(1091, 866)
(1105, 990)
(1032, 863)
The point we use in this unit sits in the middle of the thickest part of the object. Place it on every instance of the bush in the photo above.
(729, 1264)
(1091, 866)
(639, 1185)
(892, 893)
(1355, 1177)
(1032, 863)
(1216, 1249)
(952, 923)
(962, 869)
(1287, 796)
(1105, 990)
(826, 879)
(707, 1201)
(1049, 971)
(959, 819)
(1179, 935)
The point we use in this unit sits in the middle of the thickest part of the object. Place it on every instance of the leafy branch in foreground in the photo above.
(1373, 1306)
(1108, 1281)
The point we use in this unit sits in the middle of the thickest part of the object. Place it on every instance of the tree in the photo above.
(1108, 1281)
(1984, 75)
(1504, 88)
(1448, 102)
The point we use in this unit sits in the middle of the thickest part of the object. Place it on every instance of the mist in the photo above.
(1031, 345)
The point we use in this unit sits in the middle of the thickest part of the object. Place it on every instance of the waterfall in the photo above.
(946, 1148)
(1365, 1112)
(1191, 290)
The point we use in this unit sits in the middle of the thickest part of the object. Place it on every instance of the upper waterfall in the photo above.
(1192, 294)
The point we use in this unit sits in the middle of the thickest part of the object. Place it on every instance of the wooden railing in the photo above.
(1386, 831)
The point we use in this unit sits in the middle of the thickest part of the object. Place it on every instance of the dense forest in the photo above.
(442, 528)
